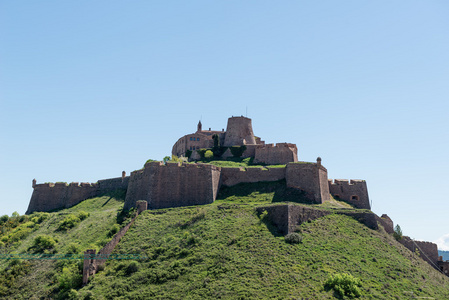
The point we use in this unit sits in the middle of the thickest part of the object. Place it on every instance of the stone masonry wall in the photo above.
(51, 196)
(173, 185)
(287, 217)
(309, 177)
(429, 251)
(354, 192)
(233, 176)
(282, 153)
(387, 223)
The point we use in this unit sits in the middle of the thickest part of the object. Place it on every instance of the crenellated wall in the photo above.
(232, 176)
(352, 191)
(279, 154)
(309, 177)
(52, 196)
(173, 185)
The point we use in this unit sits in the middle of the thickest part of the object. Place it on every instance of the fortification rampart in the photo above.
(173, 185)
(287, 217)
(52, 196)
(309, 177)
(281, 153)
(233, 176)
(428, 251)
(352, 191)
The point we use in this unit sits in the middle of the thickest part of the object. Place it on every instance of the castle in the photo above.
(175, 184)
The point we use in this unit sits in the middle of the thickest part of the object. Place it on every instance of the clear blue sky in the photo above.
(91, 88)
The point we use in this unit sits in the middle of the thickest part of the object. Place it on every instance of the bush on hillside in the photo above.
(114, 229)
(73, 248)
(345, 285)
(72, 220)
(83, 215)
(293, 238)
(69, 222)
(4, 219)
(43, 243)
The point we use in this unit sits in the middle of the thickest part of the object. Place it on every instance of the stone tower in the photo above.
(200, 126)
(239, 132)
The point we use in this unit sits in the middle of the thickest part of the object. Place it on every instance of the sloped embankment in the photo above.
(224, 250)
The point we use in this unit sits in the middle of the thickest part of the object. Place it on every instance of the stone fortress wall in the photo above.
(352, 191)
(52, 196)
(278, 154)
(173, 185)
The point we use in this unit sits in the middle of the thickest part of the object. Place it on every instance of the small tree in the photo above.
(165, 159)
(397, 233)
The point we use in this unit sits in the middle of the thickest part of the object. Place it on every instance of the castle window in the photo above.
(354, 197)
(198, 139)
(191, 138)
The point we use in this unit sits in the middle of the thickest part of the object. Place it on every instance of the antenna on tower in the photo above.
(247, 111)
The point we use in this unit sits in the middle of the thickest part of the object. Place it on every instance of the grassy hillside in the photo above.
(224, 251)
(41, 279)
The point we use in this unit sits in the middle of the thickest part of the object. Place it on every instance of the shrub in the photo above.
(132, 267)
(82, 215)
(208, 154)
(150, 160)
(73, 248)
(69, 222)
(70, 277)
(72, 220)
(188, 153)
(237, 151)
(344, 285)
(201, 152)
(114, 229)
(73, 295)
(4, 219)
(43, 242)
(293, 238)
(39, 217)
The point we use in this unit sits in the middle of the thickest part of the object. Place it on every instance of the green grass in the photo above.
(42, 277)
(223, 251)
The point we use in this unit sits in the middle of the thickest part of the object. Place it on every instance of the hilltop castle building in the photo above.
(239, 132)
(182, 184)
